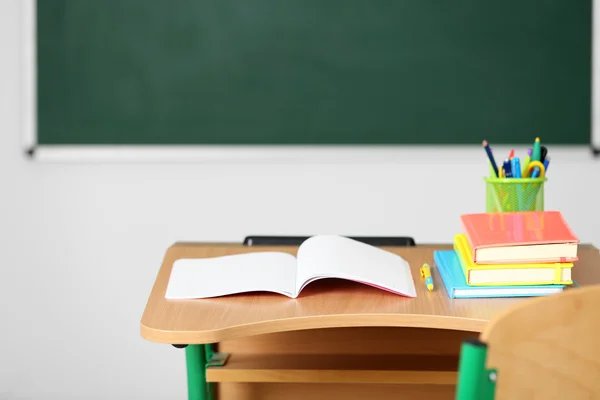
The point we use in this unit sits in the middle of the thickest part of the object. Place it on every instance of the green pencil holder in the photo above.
(514, 194)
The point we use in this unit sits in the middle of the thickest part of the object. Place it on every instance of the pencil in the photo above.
(486, 146)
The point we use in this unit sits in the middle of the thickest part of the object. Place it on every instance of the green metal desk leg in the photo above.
(475, 382)
(196, 372)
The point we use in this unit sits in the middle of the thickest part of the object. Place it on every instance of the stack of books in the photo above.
(510, 254)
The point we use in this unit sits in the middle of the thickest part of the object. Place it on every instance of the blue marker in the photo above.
(546, 163)
(506, 167)
(516, 167)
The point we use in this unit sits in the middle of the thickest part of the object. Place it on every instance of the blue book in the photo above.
(448, 266)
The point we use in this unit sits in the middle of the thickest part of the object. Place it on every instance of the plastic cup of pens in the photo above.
(517, 186)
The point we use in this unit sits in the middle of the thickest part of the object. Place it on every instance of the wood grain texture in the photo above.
(327, 391)
(548, 348)
(322, 304)
(358, 341)
(419, 369)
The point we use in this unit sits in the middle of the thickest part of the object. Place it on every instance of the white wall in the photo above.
(81, 244)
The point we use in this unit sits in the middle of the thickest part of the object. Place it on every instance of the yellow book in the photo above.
(509, 274)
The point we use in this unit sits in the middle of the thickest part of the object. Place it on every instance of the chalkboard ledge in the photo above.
(393, 154)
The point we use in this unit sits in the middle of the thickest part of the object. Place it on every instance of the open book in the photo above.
(319, 257)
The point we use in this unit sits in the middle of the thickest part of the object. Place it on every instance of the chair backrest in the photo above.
(547, 348)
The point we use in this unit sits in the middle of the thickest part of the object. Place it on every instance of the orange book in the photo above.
(520, 237)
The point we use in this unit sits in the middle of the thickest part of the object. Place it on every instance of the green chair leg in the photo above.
(475, 382)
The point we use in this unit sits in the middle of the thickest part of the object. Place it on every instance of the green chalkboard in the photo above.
(118, 72)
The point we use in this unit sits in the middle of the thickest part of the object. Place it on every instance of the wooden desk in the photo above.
(339, 339)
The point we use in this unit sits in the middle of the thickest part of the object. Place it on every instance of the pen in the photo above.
(516, 167)
(491, 157)
(507, 170)
(543, 153)
(516, 170)
(546, 163)
(426, 273)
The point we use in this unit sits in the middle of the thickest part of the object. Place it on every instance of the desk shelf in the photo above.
(328, 368)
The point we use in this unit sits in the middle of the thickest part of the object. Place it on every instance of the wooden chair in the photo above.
(545, 348)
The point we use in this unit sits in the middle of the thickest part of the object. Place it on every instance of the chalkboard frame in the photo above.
(210, 152)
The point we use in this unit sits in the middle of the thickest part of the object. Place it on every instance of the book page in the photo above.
(211, 277)
(330, 256)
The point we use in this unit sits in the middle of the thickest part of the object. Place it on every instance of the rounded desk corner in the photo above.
(154, 335)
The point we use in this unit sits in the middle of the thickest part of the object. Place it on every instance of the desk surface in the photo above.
(322, 304)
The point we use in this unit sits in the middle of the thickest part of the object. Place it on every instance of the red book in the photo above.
(520, 237)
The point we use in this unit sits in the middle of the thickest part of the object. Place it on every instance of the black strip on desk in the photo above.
(404, 241)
